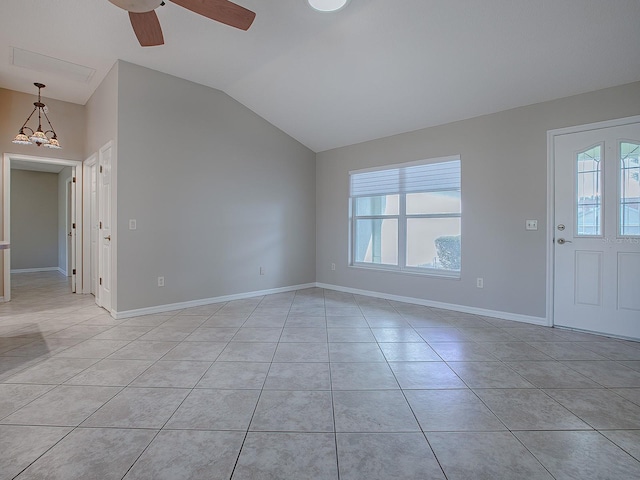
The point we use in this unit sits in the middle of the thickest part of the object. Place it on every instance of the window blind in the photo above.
(430, 177)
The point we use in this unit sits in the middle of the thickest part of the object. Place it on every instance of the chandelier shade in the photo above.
(38, 137)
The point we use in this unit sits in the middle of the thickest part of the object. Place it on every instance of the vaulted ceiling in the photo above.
(373, 69)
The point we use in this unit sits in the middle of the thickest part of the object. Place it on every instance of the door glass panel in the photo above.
(589, 192)
(629, 189)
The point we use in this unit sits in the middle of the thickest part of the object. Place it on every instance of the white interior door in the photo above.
(597, 231)
(93, 225)
(74, 234)
(104, 227)
(68, 267)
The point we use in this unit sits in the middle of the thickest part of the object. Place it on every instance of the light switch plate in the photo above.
(132, 224)
(531, 224)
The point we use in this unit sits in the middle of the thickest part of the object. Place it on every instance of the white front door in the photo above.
(597, 231)
(104, 238)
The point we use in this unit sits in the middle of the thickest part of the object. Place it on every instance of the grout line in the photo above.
(333, 405)
(246, 434)
(502, 362)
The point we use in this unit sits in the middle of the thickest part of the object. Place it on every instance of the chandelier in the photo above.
(38, 137)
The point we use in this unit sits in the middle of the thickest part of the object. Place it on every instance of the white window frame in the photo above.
(402, 217)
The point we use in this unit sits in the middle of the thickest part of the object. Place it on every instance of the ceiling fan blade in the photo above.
(222, 11)
(147, 28)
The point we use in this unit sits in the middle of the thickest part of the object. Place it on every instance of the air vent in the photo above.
(43, 63)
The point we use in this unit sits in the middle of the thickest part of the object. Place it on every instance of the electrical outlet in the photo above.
(161, 281)
(333, 266)
(531, 224)
(480, 282)
(132, 224)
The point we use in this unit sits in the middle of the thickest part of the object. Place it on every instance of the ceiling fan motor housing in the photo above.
(137, 6)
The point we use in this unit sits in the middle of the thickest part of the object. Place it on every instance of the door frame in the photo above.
(107, 199)
(551, 185)
(87, 214)
(68, 225)
(6, 214)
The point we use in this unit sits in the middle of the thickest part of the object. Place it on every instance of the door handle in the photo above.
(108, 237)
(562, 241)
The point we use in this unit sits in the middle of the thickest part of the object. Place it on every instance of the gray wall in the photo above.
(102, 114)
(216, 190)
(504, 175)
(34, 219)
(68, 118)
(101, 128)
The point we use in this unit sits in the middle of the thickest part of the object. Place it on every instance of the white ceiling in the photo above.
(373, 69)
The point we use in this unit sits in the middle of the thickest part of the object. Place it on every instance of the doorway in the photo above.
(595, 232)
(97, 215)
(75, 206)
(69, 227)
(91, 225)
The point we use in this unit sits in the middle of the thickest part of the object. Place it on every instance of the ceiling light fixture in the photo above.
(38, 137)
(327, 5)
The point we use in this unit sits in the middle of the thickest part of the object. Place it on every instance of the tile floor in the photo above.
(312, 384)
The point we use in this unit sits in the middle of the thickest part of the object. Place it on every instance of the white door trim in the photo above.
(6, 214)
(68, 221)
(551, 134)
(103, 201)
(86, 216)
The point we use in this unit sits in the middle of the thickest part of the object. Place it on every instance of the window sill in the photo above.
(429, 273)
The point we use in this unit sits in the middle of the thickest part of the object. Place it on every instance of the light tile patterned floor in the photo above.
(312, 384)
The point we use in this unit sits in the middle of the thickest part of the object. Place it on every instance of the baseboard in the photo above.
(445, 306)
(205, 301)
(63, 272)
(32, 270)
(416, 301)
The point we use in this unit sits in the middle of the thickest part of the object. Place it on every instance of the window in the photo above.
(407, 217)
(629, 189)
(589, 192)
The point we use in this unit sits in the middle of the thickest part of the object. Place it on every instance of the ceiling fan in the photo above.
(147, 28)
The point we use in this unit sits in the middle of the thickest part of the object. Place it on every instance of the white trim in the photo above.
(205, 301)
(86, 223)
(356, 291)
(68, 186)
(113, 222)
(550, 239)
(6, 226)
(516, 317)
(426, 161)
(6, 220)
(41, 269)
(551, 134)
(424, 272)
(78, 173)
